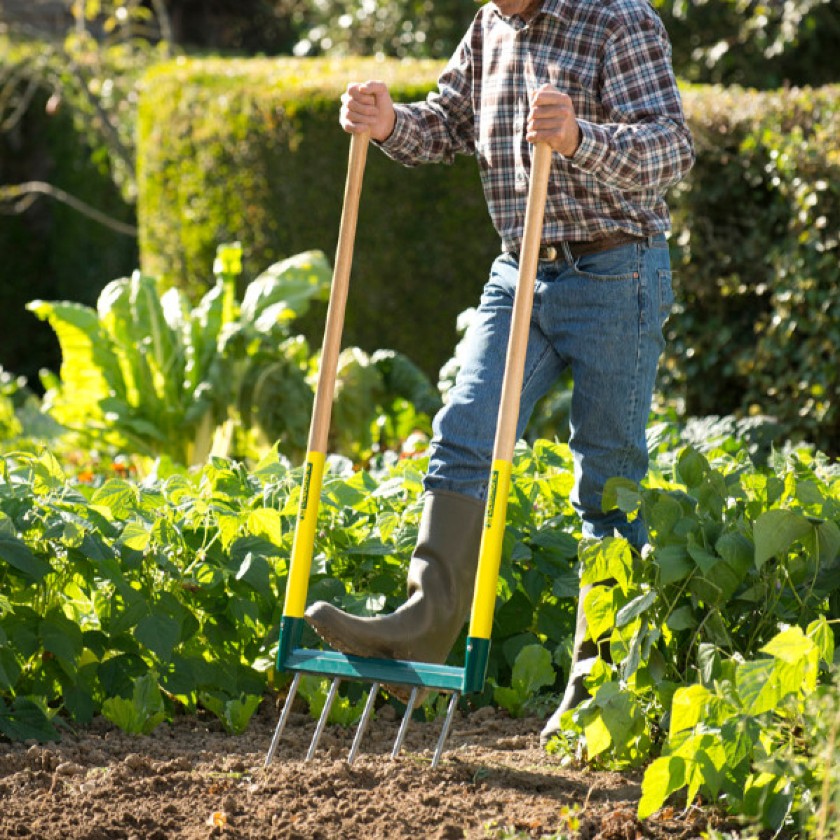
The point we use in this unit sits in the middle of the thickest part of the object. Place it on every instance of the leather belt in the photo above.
(594, 246)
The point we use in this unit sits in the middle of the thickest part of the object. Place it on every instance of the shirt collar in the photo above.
(555, 8)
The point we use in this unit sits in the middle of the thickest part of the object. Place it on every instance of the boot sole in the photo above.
(401, 692)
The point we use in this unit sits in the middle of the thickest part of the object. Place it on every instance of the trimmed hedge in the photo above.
(251, 150)
(756, 245)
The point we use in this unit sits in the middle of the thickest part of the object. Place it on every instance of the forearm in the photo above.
(421, 135)
(654, 154)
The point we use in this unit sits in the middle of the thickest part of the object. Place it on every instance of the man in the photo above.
(593, 80)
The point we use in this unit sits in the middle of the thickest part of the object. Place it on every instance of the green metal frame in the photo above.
(467, 679)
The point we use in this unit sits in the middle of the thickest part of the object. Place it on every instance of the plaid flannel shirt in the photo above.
(613, 58)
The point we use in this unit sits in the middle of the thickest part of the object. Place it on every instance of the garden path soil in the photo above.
(191, 780)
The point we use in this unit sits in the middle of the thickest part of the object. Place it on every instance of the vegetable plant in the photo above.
(149, 374)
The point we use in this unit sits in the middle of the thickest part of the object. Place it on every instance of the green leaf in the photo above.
(61, 637)
(664, 515)
(202, 337)
(9, 667)
(828, 535)
(673, 562)
(691, 467)
(757, 686)
(664, 776)
(160, 633)
(600, 610)
(708, 663)
(821, 633)
(119, 496)
(634, 608)
(791, 646)
(284, 290)
(136, 535)
(682, 618)
(266, 523)
(768, 798)
(234, 713)
(621, 493)
(24, 721)
(598, 736)
(90, 371)
(775, 531)
(143, 712)
(17, 554)
(688, 707)
(604, 559)
(532, 670)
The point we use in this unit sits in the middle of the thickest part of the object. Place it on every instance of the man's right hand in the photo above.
(368, 107)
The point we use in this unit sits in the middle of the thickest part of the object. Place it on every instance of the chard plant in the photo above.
(146, 373)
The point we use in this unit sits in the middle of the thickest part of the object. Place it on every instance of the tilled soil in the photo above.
(192, 780)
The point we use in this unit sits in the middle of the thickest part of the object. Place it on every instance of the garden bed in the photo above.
(192, 780)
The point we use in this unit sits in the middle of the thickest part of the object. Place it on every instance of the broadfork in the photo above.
(416, 675)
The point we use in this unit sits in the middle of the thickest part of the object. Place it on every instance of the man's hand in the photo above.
(368, 107)
(552, 120)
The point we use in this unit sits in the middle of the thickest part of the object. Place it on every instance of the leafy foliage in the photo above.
(719, 635)
(763, 45)
(136, 599)
(757, 314)
(133, 600)
(149, 374)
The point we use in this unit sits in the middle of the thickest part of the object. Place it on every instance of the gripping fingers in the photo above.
(367, 107)
(552, 120)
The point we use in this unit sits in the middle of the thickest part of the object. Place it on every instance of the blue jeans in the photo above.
(600, 315)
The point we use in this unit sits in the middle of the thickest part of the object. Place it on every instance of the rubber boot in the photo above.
(585, 652)
(441, 577)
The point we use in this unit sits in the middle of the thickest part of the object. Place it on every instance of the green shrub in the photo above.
(252, 150)
(755, 246)
(719, 634)
(764, 45)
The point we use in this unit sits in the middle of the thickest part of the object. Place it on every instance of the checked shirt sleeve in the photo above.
(646, 143)
(436, 130)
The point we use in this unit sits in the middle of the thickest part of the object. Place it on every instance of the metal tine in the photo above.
(284, 717)
(450, 712)
(405, 721)
(322, 721)
(360, 730)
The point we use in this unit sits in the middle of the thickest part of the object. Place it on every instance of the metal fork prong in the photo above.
(405, 721)
(322, 721)
(360, 730)
(444, 733)
(284, 717)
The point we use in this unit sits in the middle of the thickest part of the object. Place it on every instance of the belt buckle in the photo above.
(549, 253)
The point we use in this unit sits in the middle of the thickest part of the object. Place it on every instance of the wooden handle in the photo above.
(522, 305)
(322, 408)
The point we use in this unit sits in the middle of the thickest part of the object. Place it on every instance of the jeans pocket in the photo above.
(621, 263)
(666, 294)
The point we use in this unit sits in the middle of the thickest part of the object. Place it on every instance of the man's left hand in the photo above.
(552, 120)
